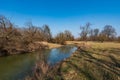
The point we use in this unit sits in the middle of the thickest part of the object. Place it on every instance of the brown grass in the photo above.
(92, 61)
(50, 45)
(100, 61)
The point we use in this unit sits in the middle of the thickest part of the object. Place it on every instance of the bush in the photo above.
(63, 36)
(14, 40)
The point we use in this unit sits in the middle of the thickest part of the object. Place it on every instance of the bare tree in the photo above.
(60, 38)
(109, 31)
(85, 30)
(47, 33)
(68, 35)
(118, 38)
(94, 34)
(9, 36)
(63, 36)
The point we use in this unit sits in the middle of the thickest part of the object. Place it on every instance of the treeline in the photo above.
(16, 40)
(108, 33)
(63, 36)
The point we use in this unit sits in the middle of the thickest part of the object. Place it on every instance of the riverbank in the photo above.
(23, 65)
(50, 45)
(93, 61)
(32, 47)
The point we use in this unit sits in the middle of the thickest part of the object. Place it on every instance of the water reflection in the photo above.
(59, 54)
(18, 66)
(53, 56)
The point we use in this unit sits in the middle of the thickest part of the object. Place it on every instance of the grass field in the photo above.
(96, 61)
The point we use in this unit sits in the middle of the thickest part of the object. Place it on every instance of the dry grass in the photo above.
(44, 71)
(50, 45)
(92, 61)
(100, 61)
(96, 44)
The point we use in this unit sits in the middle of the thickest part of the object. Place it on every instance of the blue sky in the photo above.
(63, 14)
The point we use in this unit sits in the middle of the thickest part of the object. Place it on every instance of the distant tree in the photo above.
(63, 36)
(109, 31)
(68, 35)
(47, 33)
(102, 37)
(118, 38)
(94, 34)
(60, 38)
(91, 35)
(85, 30)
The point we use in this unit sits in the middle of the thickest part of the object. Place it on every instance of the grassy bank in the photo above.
(94, 61)
(50, 45)
(32, 48)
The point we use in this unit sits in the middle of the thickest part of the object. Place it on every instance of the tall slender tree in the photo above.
(47, 33)
(85, 30)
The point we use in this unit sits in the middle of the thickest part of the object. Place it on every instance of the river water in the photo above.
(18, 66)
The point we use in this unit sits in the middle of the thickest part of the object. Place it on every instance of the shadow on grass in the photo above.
(94, 68)
(84, 71)
(83, 62)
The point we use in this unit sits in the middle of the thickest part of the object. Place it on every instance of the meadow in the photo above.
(93, 61)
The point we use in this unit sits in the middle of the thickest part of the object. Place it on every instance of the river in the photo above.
(18, 66)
